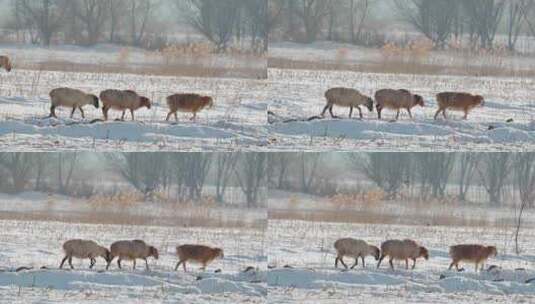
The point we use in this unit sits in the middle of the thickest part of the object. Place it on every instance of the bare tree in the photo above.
(493, 171)
(388, 171)
(313, 14)
(434, 170)
(308, 170)
(528, 11)
(141, 170)
(250, 174)
(225, 164)
(140, 14)
(433, 18)
(467, 167)
(363, 7)
(66, 163)
(47, 16)
(524, 173)
(117, 11)
(19, 166)
(191, 170)
(93, 14)
(257, 14)
(214, 19)
(485, 17)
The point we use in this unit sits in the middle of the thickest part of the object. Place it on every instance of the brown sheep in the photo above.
(132, 250)
(197, 253)
(458, 102)
(5, 63)
(348, 98)
(397, 100)
(188, 103)
(471, 253)
(402, 250)
(71, 98)
(355, 249)
(122, 101)
(84, 249)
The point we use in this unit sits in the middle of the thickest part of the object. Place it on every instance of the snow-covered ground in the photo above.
(37, 245)
(299, 94)
(301, 257)
(238, 120)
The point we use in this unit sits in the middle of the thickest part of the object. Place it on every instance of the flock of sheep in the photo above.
(397, 100)
(406, 250)
(133, 250)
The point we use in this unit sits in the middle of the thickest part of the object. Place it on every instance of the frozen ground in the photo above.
(301, 258)
(299, 94)
(236, 122)
(37, 245)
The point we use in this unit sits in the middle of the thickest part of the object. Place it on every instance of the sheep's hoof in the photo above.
(530, 280)
(510, 120)
(491, 128)
(250, 268)
(272, 266)
(288, 267)
(442, 277)
(218, 271)
(198, 278)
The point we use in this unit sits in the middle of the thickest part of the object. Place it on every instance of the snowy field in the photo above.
(37, 245)
(296, 95)
(237, 121)
(301, 258)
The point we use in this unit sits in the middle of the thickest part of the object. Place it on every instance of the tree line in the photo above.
(475, 22)
(422, 175)
(137, 22)
(183, 176)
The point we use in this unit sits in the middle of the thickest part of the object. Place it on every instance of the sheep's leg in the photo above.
(451, 265)
(380, 260)
(70, 262)
(73, 110)
(109, 263)
(93, 262)
(465, 114)
(444, 114)
(414, 263)
(356, 263)
(410, 113)
(438, 112)
(105, 112)
(203, 268)
(63, 261)
(119, 263)
(184, 266)
(342, 261)
(194, 118)
(53, 112)
(360, 112)
(176, 117)
(407, 264)
(391, 264)
(379, 110)
(132, 113)
(477, 266)
(178, 264)
(81, 111)
(124, 114)
(169, 116)
(350, 111)
(146, 264)
(134, 266)
(363, 263)
(397, 115)
(336, 262)
(325, 109)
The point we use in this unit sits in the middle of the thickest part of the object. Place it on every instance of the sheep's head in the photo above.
(369, 104)
(145, 102)
(419, 101)
(479, 100)
(424, 253)
(153, 252)
(492, 251)
(95, 101)
(376, 252)
(208, 101)
(218, 252)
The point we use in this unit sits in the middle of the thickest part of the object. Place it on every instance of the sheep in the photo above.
(402, 250)
(132, 250)
(355, 249)
(471, 253)
(71, 98)
(198, 253)
(397, 100)
(189, 103)
(5, 63)
(84, 249)
(122, 101)
(458, 102)
(345, 97)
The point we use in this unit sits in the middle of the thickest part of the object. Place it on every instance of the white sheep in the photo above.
(402, 250)
(397, 100)
(71, 98)
(122, 101)
(354, 248)
(348, 98)
(131, 250)
(84, 249)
